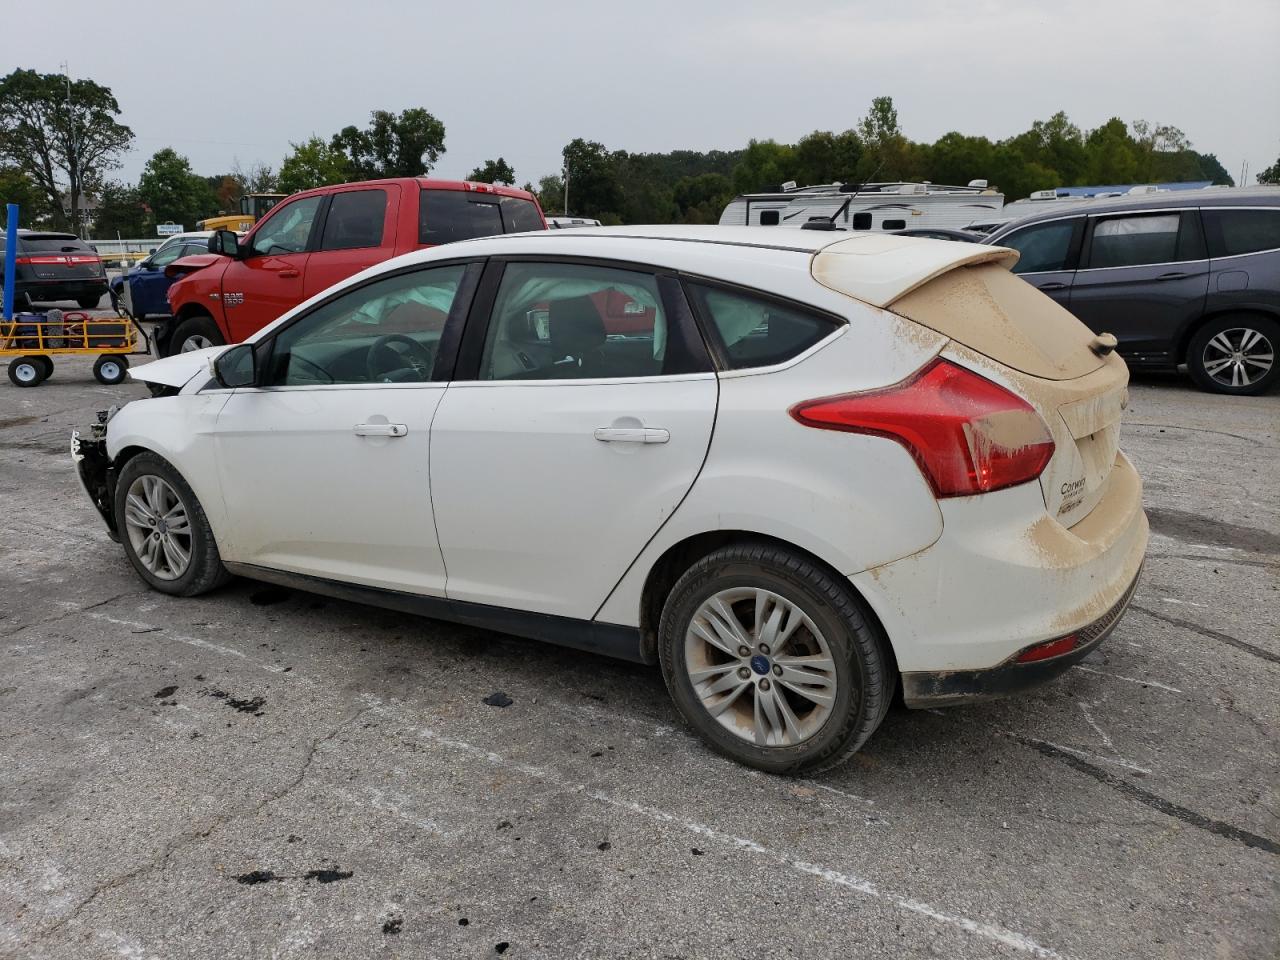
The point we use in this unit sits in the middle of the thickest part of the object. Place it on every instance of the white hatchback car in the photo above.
(801, 473)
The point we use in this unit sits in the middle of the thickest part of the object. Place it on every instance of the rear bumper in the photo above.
(1005, 575)
(948, 688)
(43, 290)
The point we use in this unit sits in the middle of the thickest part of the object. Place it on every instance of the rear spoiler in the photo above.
(881, 269)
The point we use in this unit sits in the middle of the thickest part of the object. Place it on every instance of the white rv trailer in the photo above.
(867, 206)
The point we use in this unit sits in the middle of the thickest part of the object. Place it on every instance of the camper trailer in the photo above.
(866, 206)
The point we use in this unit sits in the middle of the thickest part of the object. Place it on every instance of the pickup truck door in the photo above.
(358, 230)
(267, 279)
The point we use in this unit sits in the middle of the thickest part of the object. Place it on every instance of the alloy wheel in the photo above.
(760, 666)
(1238, 357)
(158, 527)
(195, 342)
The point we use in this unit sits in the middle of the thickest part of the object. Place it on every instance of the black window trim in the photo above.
(445, 352)
(1182, 213)
(1074, 248)
(679, 311)
(711, 333)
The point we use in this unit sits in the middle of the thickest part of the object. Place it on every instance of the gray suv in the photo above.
(1181, 277)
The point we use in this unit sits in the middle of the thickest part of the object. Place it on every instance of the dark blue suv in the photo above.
(1185, 277)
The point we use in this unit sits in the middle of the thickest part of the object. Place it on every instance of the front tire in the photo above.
(1235, 355)
(196, 334)
(773, 659)
(164, 530)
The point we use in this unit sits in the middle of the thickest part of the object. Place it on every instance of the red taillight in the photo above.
(1049, 649)
(60, 259)
(968, 434)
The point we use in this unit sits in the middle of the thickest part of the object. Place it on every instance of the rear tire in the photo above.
(27, 371)
(110, 369)
(195, 334)
(89, 303)
(800, 690)
(188, 562)
(1227, 350)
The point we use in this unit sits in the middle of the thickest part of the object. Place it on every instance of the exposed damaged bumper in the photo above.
(97, 476)
(945, 688)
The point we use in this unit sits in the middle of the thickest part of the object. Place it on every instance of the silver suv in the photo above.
(1181, 277)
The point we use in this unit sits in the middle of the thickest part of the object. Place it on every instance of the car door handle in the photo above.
(1171, 276)
(1052, 285)
(288, 274)
(632, 435)
(380, 429)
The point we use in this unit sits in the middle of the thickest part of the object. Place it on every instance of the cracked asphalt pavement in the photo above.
(265, 773)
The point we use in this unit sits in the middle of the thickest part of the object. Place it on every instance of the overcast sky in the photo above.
(232, 80)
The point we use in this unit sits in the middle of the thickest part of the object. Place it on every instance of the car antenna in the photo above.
(829, 223)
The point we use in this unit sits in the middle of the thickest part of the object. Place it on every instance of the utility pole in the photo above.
(565, 178)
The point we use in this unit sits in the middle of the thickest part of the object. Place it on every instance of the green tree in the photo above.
(764, 165)
(1112, 154)
(550, 194)
(955, 158)
(888, 154)
(62, 134)
(17, 187)
(173, 192)
(1211, 169)
(594, 188)
(120, 212)
(702, 199)
(1269, 175)
(313, 163)
(494, 171)
(407, 145)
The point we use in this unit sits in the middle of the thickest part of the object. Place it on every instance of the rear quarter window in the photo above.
(1231, 233)
(519, 214)
(756, 331)
(53, 243)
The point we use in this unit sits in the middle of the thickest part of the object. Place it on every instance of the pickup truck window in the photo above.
(519, 214)
(448, 215)
(355, 220)
(288, 228)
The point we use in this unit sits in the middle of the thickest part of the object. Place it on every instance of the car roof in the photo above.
(1163, 200)
(876, 269)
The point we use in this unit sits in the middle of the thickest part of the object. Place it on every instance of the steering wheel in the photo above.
(415, 357)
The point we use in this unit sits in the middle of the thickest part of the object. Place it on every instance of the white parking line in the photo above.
(992, 932)
(1117, 676)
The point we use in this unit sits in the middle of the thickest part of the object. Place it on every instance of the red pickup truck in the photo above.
(315, 238)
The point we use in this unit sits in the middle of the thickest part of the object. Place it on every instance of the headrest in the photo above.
(575, 327)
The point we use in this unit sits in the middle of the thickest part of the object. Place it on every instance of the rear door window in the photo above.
(1044, 247)
(445, 216)
(355, 220)
(755, 331)
(1135, 241)
(1232, 233)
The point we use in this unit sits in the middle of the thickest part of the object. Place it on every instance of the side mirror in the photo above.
(226, 243)
(237, 367)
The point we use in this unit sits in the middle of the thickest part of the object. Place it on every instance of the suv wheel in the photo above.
(772, 659)
(196, 334)
(1235, 355)
(164, 530)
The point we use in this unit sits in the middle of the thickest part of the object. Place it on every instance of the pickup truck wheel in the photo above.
(164, 530)
(196, 334)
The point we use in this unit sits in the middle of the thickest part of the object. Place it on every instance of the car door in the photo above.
(359, 230)
(148, 284)
(1143, 277)
(324, 467)
(267, 279)
(577, 421)
(1048, 251)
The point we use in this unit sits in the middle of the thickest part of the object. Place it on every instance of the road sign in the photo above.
(168, 229)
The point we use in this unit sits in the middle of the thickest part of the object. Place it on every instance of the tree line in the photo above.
(59, 140)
